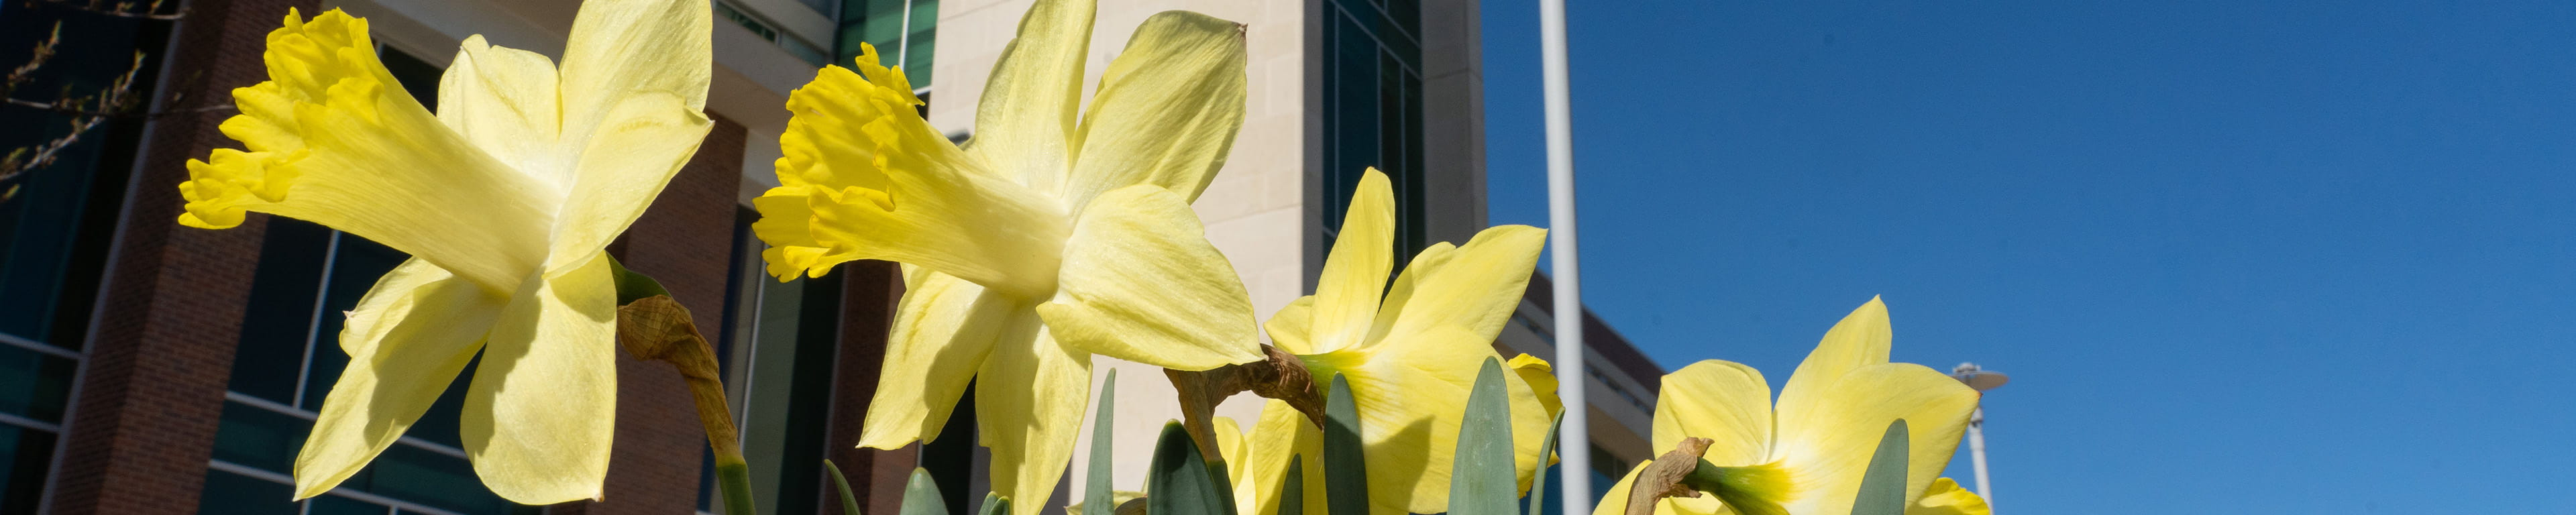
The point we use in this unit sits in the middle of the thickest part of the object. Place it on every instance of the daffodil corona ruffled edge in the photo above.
(505, 198)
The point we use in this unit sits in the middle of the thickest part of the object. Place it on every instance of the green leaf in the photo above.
(1178, 481)
(1481, 476)
(996, 504)
(921, 495)
(1345, 468)
(849, 502)
(1538, 480)
(1292, 493)
(1096, 496)
(1882, 490)
(631, 285)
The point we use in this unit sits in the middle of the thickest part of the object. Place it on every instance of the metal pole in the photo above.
(1576, 482)
(1977, 453)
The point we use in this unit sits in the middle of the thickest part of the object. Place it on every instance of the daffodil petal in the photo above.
(1477, 288)
(635, 77)
(911, 198)
(1541, 378)
(1291, 328)
(943, 329)
(1030, 419)
(1167, 111)
(1723, 401)
(626, 163)
(1401, 291)
(1024, 123)
(407, 340)
(1281, 435)
(1412, 395)
(1614, 501)
(1861, 339)
(543, 405)
(333, 139)
(1141, 283)
(620, 48)
(1827, 446)
(1945, 497)
(1229, 446)
(1354, 276)
(506, 101)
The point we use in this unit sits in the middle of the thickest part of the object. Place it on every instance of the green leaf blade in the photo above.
(1538, 480)
(921, 495)
(849, 502)
(1178, 482)
(1481, 476)
(1882, 488)
(1345, 467)
(1097, 498)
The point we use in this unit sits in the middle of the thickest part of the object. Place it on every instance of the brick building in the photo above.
(151, 368)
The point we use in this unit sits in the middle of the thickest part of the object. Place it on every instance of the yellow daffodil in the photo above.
(1828, 423)
(1043, 241)
(1945, 497)
(1411, 357)
(505, 198)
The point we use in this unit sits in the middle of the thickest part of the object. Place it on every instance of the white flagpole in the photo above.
(1576, 435)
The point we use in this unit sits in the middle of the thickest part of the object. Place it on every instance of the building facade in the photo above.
(151, 368)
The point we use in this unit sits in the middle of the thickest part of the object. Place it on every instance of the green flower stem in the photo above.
(733, 477)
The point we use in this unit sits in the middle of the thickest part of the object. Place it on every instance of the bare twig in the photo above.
(151, 11)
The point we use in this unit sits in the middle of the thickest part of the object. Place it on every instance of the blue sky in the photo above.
(2313, 257)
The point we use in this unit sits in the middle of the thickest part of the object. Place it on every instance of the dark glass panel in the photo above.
(34, 384)
(337, 505)
(279, 318)
(818, 336)
(417, 76)
(25, 454)
(441, 481)
(258, 438)
(356, 264)
(227, 493)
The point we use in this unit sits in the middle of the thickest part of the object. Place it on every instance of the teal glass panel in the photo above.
(441, 481)
(25, 455)
(253, 437)
(34, 384)
(227, 493)
(917, 57)
(337, 505)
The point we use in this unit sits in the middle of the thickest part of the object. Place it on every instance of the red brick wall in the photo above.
(685, 241)
(144, 415)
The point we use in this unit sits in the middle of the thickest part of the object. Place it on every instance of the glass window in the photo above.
(1373, 112)
(778, 344)
(55, 227)
(903, 31)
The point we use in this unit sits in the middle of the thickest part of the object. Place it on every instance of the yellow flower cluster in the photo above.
(1062, 232)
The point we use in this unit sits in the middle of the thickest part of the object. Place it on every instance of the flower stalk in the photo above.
(1279, 375)
(657, 328)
